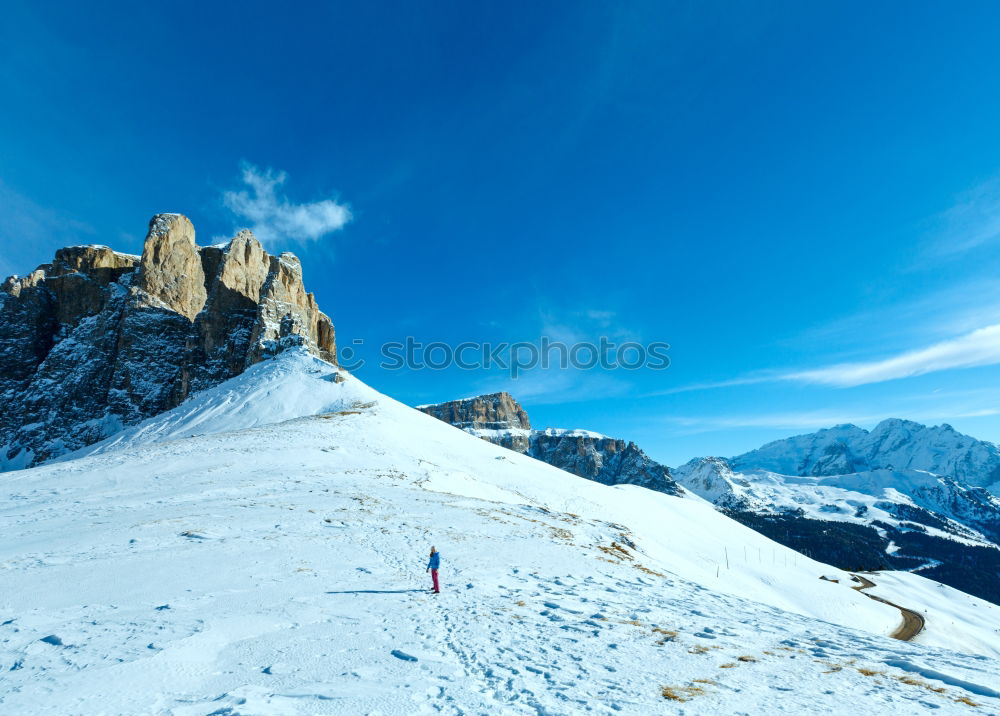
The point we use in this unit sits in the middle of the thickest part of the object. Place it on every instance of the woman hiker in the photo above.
(432, 567)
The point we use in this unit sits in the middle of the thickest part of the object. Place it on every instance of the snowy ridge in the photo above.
(268, 392)
(893, 443)
(861, 498)
(278, 568)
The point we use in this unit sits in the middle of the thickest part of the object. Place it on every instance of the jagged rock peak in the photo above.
(496, 411)
(171, 270)
(98, 339)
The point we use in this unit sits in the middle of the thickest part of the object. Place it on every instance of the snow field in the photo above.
(279, 569)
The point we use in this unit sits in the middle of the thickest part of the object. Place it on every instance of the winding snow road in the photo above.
(913, 622)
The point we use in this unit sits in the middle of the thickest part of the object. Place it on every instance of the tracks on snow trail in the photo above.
(913, 622)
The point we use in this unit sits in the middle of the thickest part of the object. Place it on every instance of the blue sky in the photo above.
(774, 189)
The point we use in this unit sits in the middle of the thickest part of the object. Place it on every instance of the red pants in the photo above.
(434, 576)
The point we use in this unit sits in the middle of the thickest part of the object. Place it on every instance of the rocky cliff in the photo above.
(499, 419)
(97, 339)
(497, 411)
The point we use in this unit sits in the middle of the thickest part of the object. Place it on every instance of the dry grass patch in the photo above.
(746, 659)
(730, 665)
(702, 649)
(967, 701)
(914, 681)
(647, 570)
(868, 672)
(520, 603)
(616, 550)
(667, 635)
(681, 693)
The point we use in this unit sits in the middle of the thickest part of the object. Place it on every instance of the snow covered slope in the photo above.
(271, 566)
(499, 418)
(893, 497)
(903, 495)
(956, 620)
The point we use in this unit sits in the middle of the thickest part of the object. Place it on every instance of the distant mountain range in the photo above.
(893, 444)
(901, 496)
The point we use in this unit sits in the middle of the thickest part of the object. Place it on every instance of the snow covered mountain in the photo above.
(260, 549)
(98, 340)
(869, 499)
(892, 444)
(501, 420)
(874, 518)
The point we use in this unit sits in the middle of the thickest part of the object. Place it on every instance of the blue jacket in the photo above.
(435, 561)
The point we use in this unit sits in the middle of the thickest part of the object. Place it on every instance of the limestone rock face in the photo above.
(98, 339)
(497, 411)
(171, 271)
(499, 419)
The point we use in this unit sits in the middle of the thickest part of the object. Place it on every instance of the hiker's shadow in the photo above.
(379, 591)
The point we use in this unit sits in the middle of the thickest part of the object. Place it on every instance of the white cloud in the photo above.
(974, 221)
(814, 419)
(273, 217)
(747, 380)
(978, 348)
(554, 386)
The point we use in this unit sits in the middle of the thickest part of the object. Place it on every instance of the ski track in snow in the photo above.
(252, 573)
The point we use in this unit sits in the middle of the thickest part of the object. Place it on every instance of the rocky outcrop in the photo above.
(610, 461)
(98, 339)
(496, 411)
(499, 419)
(171, 273)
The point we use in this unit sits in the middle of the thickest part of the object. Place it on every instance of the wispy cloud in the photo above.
(272, 216)
(815, 419)
(973, 222)
(30, 233)
(978, 348)
(585, 325)
(747, 380)
(555, 386)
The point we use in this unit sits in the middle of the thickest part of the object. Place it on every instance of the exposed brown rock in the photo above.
(170, 270)
(496, 411)
(98, 339)
(501, 420)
